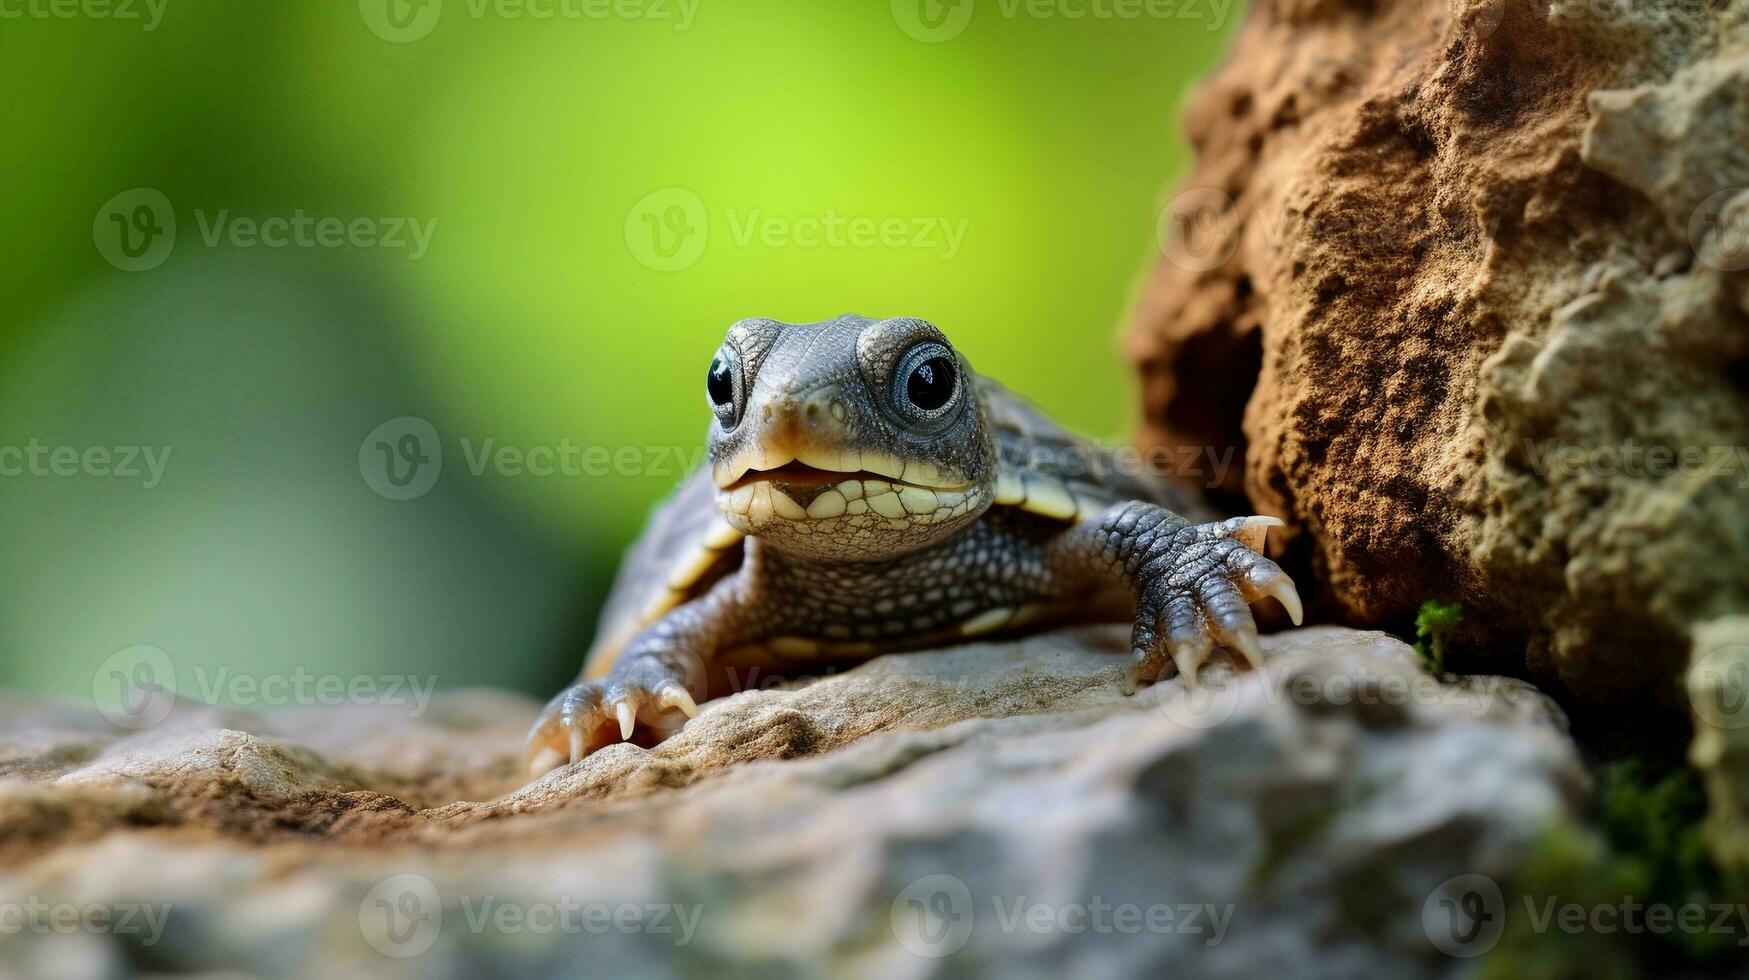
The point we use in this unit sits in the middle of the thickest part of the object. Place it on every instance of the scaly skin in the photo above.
(927, 558)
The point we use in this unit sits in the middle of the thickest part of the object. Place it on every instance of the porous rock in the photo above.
(996, 807)
(1467, 281)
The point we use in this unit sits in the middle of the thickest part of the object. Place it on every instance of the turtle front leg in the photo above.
(651, 682)
(1192, 583)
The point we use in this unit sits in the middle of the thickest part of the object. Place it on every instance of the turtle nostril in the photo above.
(812, 413)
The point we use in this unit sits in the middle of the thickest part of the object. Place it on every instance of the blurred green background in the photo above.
(1022, 150)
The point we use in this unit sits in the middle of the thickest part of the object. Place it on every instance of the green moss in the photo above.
(1658, 820)
(1432, 623)
(1646, 849)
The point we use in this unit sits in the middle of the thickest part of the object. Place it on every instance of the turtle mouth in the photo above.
(803, 475)
(763, 497)
(807, 472)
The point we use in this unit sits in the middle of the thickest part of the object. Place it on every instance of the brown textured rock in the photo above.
(986, 809)
(1471, 262)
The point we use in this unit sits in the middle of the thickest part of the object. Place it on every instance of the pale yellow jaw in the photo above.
(752, 505)
(917, 473)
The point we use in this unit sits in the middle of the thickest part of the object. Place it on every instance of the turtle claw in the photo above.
(591, 715)
(1245, 641)
(679, 698)
(1281, 589)
(1194, 593)
(1252, 532)
(1188, 659)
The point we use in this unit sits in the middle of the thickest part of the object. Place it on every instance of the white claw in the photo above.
(628, 716)
(576, 744)
(1184, 655)
(1253, 532)
(675, 696)
(1246, 643)
(1282, 588)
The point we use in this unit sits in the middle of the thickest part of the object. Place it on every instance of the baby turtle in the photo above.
(867, 492)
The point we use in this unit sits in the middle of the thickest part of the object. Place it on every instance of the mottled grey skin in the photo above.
(979, 516)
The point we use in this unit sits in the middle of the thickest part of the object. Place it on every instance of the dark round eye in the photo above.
(930, 384)
(722, 386)
(927, 380)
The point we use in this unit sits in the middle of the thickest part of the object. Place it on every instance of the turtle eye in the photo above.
(720, 384)
(927, 380)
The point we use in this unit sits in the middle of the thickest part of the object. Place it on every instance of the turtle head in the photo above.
(852, 440)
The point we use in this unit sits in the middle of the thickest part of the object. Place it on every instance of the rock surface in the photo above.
(996, 807)
(1718, 677)
(1468, 281)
